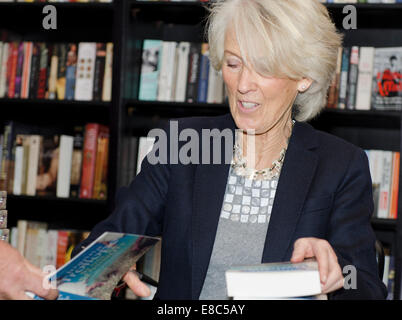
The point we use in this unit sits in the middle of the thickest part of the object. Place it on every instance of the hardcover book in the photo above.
(387, 79)
(95, 271)
(274, 280)
(71, 68)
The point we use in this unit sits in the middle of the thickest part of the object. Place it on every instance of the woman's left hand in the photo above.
(330, 271)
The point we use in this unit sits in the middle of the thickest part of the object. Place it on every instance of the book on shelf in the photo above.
(370, 79)
(55, 71)
(95, 271)
(4, 235)
(3, 219)
(283, 280)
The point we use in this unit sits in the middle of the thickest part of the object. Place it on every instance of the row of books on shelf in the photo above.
(38, 163)
(56, 71)
(384, 170)
(42, 246)
(367, 78)
(173, 72)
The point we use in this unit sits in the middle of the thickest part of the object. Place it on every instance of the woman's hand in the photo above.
(139, 288)
(330, 271)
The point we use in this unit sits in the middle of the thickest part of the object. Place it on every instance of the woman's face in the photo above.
(256, 102)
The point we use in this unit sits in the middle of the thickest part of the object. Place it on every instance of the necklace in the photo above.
(239, 164)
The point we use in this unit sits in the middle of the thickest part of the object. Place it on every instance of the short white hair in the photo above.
(297, 38)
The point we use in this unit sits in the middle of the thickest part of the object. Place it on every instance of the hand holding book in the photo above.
(330, 271)
(133, 281)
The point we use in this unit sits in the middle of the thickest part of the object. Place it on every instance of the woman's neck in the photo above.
(268, 145)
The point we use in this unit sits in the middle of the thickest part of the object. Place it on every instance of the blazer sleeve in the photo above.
(139, 207)
(351, 234)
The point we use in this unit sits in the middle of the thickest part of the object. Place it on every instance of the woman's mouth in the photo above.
(246, 106)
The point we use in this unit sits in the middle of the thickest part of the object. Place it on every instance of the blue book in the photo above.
(150, 67)
(203, 75)
(95, 271)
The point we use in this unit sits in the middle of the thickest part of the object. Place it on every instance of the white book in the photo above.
(386, 270)
(14, 237)
(3, 69)
(41, 249)
(107, 79)
(22, 230)
(144, 147)
(34, 148)
(64, 169)
(385, 187)
(274, 280)
(51, 256)
(85, 71)
(18, 169)
(183, 51)
(376, 165)
(167, 73)
(365, 78)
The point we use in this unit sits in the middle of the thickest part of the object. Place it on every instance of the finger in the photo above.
(335, 278)
(136, 285)
(302, 249)
(336, 286)
(37, 283)
(321, 255)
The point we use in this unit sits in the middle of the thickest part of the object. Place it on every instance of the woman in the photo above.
(292, 194)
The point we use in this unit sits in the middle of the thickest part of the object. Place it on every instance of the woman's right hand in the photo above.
(139, 288)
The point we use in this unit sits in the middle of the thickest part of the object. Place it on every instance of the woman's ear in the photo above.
(304, 84)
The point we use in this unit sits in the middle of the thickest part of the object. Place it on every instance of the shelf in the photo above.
(58, 212)
(55, 111)
(359, 118)
(384, 224)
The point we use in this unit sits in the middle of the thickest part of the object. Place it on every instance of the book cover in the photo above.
(364, 90)
(47, 169)
(385, 186)
(150, 67)
(64, 167)
(96, 270)
(274, 280)
(71, 69)
(167, 71)
(387, 75)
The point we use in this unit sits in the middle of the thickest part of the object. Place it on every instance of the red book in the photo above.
(92, 131)
(62, 241)
(394, 186)
(12, 68)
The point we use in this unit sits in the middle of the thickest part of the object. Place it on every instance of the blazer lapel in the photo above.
(294, 182)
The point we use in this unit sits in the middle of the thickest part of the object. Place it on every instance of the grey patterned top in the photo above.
(241, 232)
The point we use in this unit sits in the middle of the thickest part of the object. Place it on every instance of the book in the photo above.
(352, 77)
(85, 71)
(4, 235)
(274, 280)
(71, 68)
(101, 165)
(3, 219)
(61, 71)
(108, 75)
(76, 162)
(393, 214)
(48, 163)
(64, 167)
(387, 75)
(99, 71)
(3, 200)
(193, 72)
(95, 271)
(385, 186)
(363, 92)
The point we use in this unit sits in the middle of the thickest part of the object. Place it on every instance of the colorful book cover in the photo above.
(96, 270)
(151, 56)
(387, 79)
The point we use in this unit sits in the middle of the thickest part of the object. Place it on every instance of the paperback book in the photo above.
(95, 271)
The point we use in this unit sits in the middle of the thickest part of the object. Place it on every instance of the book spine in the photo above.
(6, 154)
(76, 165)
(26, 70)
(182, 70)
(34, 73)
(365, 78)
(3, 69)
(71, 68)
(64, 168)
(43, 71)
(85, 71)
(385, 186)
(34, 151)
(193, 72)
(99, 71)
(100, 179)
(152, 53)
(395, 185)
(52, 83)
(353, 74)
(18, 168)
(18, 75)
(165, 82)
(22, 230)
(61, 71)
(89, 160)
(62, 242)
(12, 69)
(3, 219)
(107, 79)
(204, 74)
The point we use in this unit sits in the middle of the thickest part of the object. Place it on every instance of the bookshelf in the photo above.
(378, 25)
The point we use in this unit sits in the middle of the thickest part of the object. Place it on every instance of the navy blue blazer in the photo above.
(324, 191)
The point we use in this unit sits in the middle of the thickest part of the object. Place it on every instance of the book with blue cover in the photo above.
(94, 272)
(283, 280)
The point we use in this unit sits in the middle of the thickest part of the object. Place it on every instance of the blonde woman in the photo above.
(295, 193)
